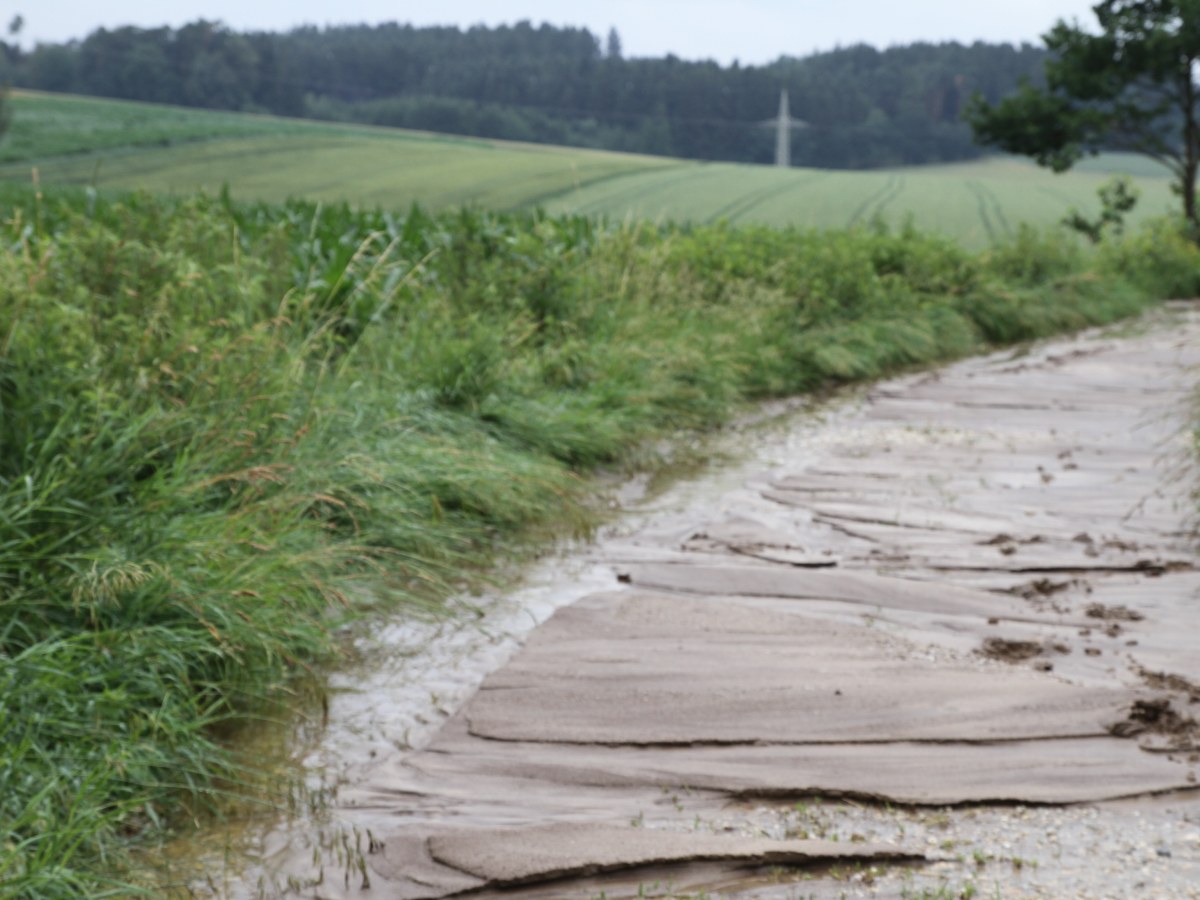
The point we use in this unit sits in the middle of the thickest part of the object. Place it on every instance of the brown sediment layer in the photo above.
(865, 626)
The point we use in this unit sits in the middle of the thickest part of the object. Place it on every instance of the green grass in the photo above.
(48, 125)
(123, 145)
(120, 146)
(977, 203)
(230, 434)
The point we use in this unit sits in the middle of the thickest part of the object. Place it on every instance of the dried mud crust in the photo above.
(966, 598)
(1162, 727)
(1164, 681)
(1011, 651)
(515, 856)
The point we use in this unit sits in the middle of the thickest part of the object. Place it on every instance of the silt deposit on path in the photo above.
(964, 616)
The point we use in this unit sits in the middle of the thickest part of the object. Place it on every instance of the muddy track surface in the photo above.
(965, 618)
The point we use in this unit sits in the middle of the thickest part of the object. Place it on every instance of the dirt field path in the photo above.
(966, 619)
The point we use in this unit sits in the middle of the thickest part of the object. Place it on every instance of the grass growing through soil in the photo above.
(227, 432)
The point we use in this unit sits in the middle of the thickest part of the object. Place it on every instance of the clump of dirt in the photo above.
(1044, 587)
(1010, 651)
(1041, 591)
(1155, 717)
(1164, 681)
(1005, 543)
(1121, 546)
(1118, 613)
(1003, 538)
(998, 539)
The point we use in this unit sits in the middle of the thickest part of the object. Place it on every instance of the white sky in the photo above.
(753, 31)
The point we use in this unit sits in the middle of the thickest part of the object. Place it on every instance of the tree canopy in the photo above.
(1129, 86)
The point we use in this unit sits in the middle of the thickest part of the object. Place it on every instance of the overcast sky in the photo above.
(752, 31)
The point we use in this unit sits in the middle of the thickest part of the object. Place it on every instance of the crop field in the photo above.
(391, 171)
(975, 202)
(50, 125)
(122, 145)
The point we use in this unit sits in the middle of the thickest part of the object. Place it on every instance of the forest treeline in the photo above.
(864, 107)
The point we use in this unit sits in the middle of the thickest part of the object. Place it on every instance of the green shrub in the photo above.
(1033, 258)
(1159, 259)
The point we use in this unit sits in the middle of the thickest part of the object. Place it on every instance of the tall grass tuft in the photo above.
(227, 431)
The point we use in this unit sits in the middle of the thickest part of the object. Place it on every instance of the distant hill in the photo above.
(117, 145)
(866, 108)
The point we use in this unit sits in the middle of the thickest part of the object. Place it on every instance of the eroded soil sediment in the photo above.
(975, 594)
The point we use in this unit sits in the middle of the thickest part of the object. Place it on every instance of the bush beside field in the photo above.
(227, 431)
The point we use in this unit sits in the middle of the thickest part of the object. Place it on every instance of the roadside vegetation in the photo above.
(230, 432)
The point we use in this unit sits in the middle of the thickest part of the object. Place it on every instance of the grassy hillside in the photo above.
(976, 203)
(121, 145)
(388, 170)
(49, 125)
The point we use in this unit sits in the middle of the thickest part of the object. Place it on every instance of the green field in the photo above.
(975, 202)
(50, 125)
(120, 145)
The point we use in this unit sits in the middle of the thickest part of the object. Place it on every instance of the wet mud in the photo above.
(963, 614)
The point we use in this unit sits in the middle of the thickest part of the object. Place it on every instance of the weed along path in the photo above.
(963, 614)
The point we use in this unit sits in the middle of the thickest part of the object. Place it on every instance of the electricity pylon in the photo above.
(783, 125)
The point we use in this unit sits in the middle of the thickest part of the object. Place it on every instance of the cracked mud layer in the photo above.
(964, 615)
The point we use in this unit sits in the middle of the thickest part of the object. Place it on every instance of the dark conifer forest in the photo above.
(863, 107)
